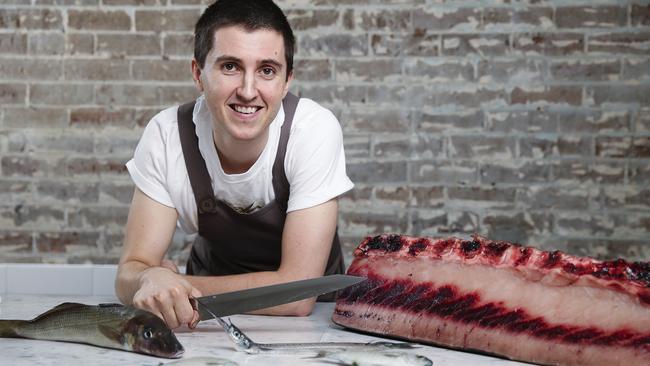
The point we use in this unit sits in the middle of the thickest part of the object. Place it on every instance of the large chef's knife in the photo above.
(238, 302)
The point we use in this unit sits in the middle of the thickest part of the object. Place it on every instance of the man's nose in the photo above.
(247, 90)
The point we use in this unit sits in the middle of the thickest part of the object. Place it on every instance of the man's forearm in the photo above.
(127, 281)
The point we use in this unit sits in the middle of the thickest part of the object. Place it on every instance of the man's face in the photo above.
(244, 80)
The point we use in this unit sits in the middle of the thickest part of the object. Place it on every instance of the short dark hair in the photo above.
(249, 14)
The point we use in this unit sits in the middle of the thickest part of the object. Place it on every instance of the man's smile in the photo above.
(243, 109)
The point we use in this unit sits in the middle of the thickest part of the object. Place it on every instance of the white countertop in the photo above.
(208, 340)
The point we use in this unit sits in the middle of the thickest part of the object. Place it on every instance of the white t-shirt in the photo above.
(314, 163)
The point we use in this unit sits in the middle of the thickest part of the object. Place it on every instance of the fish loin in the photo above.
(105, 325)
(500, 298)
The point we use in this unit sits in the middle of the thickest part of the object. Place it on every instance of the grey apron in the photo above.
(230, 242)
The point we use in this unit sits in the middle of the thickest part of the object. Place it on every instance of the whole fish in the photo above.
(105, 325)
(361, 358)
(245, 344)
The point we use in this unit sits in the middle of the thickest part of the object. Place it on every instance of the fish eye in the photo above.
(147, 334)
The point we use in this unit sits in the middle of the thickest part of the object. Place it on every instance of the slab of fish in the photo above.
(105, 325)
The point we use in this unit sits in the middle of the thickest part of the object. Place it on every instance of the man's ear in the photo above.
(196, 75)
(287, 86)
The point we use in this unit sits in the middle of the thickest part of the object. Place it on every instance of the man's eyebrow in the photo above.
(228, 58)
(270, 61)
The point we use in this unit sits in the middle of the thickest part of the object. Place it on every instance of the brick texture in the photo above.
(526, 121)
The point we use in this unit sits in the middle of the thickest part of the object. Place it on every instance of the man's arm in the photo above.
(306, 244)
(141, 281)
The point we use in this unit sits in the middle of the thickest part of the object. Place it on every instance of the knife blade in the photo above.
(238, 302)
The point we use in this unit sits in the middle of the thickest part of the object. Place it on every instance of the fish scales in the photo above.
(500, 298)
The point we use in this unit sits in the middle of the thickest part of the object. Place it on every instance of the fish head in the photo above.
(242, 342)
(148, 334)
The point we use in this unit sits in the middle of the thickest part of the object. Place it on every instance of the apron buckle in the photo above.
(207, 205)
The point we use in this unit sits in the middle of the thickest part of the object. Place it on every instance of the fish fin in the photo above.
(110, 333)
(61, 307)
(8, 328)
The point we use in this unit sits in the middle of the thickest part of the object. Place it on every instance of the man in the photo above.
(255, 172)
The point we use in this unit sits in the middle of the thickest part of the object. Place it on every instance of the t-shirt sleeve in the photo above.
(315, 161)
(148, 167)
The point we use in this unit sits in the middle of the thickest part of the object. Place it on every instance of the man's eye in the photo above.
(229, 67)
(267, 71)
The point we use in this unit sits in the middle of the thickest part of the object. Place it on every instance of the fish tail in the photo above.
(8, 328)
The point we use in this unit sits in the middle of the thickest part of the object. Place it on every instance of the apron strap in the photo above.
(280, 182)
(196, 168)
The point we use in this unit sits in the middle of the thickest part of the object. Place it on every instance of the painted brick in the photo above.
(106, 216)
(178, 44)
(585, 224)
(475, 44)
(334, 95)
(312, 19)
(427, 70)
(641, 120)
(580, 70)
(373, 223)
(66, 94)
(36, 69)
(96, 166)
(537, 197)
(515, 172)
(482, 194)
(636, 69)
(532, 17)
(79, 44)
(166, 20)
(550, 44)
(125, 94)
(482, 147)
(135, 2)
(574, 145)
(35, 117)
(74, 192)
(12, 93)
(511, 71)
(457, 122)
(172, 70)
(470, 96)
(593, 121)
(591, 16)
(378, 20)
(622, 94)
(173, 95)
(447, 19)
(393, 196)
(32, 216)
(639, 173)
(613, 147)
(579, 172)
(312, 70)
(639, 199)
(377, 172)
(64, 241)
(395, 146)
(13, 43)
(330, 45)
(417, 44)
(116, 143)
(372, 70)
(120, 45)
(515, 227)
(99, 20)
(605, 249)
(46, 44)
(31, 19)
(429, 222)
(562, 95)
(640, 14)
(444, 171)
(620, 43)
(535, 121)
(22, 166)
(116, 193)
(40, 141)
(84, 69)
(67, 2)
(15, 241)
(427, 197)
(13, 192)
(424, 146)
(102, 117)
(356, 146)
(538, 147)
(358, 196)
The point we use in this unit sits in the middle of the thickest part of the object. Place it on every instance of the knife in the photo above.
(238, 302)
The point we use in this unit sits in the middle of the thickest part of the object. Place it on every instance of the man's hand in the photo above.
(167, 295)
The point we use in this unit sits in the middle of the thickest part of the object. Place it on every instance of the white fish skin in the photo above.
(201, 361)
(360, 358)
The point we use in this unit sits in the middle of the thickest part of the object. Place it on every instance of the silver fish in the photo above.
(105, 325)
(245, 344)
(362, 358)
